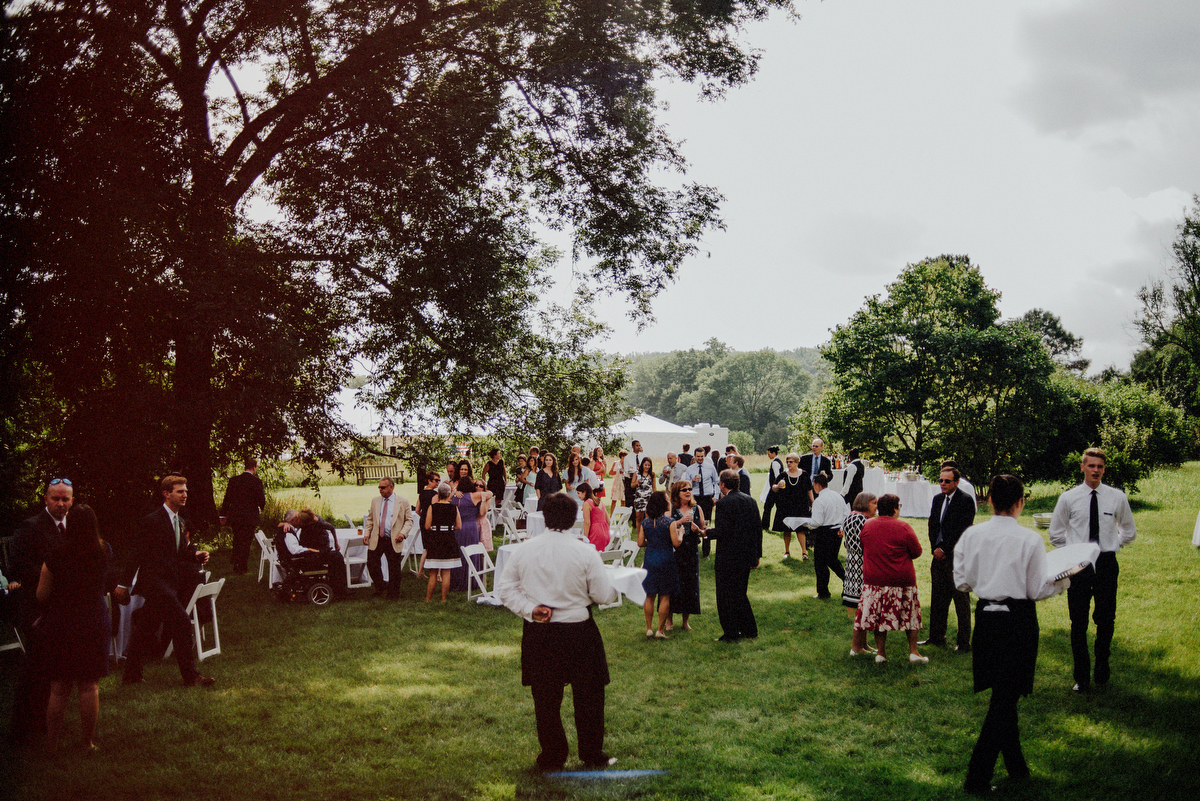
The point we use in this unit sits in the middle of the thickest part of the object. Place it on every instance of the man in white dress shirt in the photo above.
(705, 489)
(828, 514)
(551, 582)
(1093, 512)
(1005, 564)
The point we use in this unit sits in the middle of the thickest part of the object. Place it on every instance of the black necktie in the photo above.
(1094, 520)
(62, 530)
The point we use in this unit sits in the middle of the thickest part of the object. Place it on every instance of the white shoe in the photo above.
(917, 658)
(880, 659)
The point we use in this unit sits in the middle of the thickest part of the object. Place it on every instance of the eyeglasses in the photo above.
(66, 481)
(945, 481)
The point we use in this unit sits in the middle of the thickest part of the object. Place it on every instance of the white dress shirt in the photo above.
(704, 478)
(557, 570)
(1069, 524)
(1001, 559)
(292, 541)
(829, 509)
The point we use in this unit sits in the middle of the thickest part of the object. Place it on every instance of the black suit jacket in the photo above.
(960, 516)
(739, 531)
(244, 497)
(159, 566)
(34, 540)
(823, 466)
(856, 483)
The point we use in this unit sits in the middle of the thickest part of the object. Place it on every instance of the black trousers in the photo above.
(1099, 583)
(375, 569)
(941, 573)
(589, 722)
(163, 609)
(32, 692)
(705, 502)
(733, 605)
(999, 735)
(243, 536)
(827, 544)
(768, 506)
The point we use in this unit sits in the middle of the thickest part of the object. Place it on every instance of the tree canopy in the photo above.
(213, 208)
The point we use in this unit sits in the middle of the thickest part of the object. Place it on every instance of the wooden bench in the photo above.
(374, 472)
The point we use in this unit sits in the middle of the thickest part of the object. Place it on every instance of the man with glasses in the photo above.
(32, 542)
(386, 526)
(951, 513)
(704, 480)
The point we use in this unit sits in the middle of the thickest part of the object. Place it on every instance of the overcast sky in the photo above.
(1055, 143)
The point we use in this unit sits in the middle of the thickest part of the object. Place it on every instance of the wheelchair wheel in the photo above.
(320, 593)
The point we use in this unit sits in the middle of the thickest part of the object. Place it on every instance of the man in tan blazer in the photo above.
(388, 523)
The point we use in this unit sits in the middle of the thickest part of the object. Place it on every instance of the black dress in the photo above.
(792, 500)
(76, 631)
(441, 549)
(687, 561)
(546, 485)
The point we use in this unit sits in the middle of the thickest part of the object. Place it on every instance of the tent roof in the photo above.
(649, 424)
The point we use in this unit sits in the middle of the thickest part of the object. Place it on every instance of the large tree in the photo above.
(212, 207)
(753, 392)
(1169, 321)
(891, 361)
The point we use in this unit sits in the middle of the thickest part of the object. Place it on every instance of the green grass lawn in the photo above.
(369, 699)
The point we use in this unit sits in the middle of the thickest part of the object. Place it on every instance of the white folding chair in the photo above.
(477, 578)
(210, 591)
(267, 558)
(620, 519)
(354, 552)
(509, 531)
(630, 548)
(616, 538)
(16, 644)
(349, 522)
(613, 557)
(409, 550)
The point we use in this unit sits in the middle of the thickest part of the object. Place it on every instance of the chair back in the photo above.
(477, 577)
(630, 548)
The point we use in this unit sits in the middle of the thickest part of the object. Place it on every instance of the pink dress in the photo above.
(598, 534)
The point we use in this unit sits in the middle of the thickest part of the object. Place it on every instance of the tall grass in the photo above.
(370, 699)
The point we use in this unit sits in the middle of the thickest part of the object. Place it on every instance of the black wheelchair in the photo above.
(304, 577)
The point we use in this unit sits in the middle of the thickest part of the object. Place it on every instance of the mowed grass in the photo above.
(369, 699)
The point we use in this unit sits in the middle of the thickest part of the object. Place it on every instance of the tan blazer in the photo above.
(400, 510)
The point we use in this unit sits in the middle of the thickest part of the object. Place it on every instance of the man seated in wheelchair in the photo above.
(303, 545)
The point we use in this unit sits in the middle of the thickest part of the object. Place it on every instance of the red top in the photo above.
(889, 546)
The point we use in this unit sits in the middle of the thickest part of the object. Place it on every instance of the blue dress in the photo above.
(662, 574)
(467, 535)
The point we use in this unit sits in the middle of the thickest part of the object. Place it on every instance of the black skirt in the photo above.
(1005, 645)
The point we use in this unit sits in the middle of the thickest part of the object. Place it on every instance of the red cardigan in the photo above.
(889, 547)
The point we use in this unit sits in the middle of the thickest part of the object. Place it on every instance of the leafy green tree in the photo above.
(892, 361)
(660, 381)
(747, 391)
(1064, 346)
(259, 193)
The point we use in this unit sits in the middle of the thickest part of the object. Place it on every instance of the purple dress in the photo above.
(467, 535)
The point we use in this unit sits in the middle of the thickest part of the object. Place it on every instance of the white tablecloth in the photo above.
(916, 497)
(627, 580)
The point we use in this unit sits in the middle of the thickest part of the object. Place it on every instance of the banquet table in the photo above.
(916, 497)
(535, 522)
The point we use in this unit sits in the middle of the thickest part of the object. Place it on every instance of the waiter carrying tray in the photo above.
(1006, 566)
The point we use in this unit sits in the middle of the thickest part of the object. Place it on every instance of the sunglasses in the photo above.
(945, 481)
(66, 481)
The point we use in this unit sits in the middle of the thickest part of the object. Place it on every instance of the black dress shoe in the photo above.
(199, 681)
(1079, 689)
(962, 649)
(938, 643)
(726, 638)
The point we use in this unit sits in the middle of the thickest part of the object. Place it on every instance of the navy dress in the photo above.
(687, 562)
(467, 535)
(76, 631)
(662, 574)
